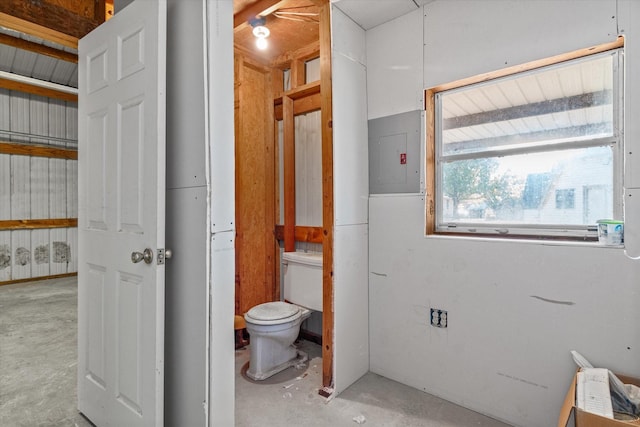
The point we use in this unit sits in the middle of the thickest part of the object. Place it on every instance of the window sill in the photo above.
(522, 240)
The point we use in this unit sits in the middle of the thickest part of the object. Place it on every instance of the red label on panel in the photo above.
(403, 158)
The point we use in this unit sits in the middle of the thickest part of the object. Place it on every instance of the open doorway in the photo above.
(284, 199)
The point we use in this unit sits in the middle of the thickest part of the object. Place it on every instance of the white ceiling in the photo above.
(371, 13)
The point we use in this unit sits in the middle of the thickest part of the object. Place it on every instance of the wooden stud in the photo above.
(298, 73)
(301, 234)
(270, 189)
(277, 197)
(327, 195)
(289, 175)
(277, 77)
(306, 98)
(19, 43)
(37, 90)
(239, 219)
(430, 162)
(34, 224)
(300, 106)
(37, 151)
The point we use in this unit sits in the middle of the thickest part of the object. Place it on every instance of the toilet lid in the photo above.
(273, 311)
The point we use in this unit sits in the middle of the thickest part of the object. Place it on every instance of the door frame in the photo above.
(220, 145)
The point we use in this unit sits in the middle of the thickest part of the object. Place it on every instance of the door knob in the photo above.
(147, 256)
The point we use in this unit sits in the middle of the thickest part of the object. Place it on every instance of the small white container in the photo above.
(610, 232)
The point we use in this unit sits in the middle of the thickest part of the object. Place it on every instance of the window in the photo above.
(565, 199)
(534, 153)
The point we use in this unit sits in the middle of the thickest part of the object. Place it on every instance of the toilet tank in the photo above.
(303, 279)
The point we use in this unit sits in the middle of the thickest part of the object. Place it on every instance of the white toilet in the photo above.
(274, 326)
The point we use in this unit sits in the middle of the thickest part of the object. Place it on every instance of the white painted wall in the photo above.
(395, 84)
(221, 197)
(186, 232)
(351, 188)
(506, 351)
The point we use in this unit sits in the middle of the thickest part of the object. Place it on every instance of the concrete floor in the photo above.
(38, 324)
(291, 398)
(38, 348)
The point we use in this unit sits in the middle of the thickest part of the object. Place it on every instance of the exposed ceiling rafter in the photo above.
(576, 102)
(52, 52)
(259, 8)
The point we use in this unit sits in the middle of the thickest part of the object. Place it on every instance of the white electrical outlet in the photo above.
(439, 318)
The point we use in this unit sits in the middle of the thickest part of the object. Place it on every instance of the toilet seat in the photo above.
(273, 313)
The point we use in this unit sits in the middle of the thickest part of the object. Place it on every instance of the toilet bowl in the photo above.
(274, 326)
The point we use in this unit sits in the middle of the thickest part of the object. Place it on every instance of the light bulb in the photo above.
(261, 43)
(261, 31)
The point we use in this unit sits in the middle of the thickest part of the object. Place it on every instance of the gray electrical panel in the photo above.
(394, 154)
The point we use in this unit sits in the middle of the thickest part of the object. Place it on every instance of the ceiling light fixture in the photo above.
(260, 31)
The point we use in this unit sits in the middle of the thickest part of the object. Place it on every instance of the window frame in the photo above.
(531, 230)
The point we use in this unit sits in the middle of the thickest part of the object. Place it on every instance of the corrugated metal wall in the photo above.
(37, 187)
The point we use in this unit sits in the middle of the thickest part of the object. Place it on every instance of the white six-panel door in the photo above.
(121, 211)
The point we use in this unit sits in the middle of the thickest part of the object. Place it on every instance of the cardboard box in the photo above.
(571, 416)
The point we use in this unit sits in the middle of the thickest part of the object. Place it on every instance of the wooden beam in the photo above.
(327, 198)
(306, 98)
(19, 43)
(259, 8)
(299, 92)
(289, 175)
(37, 90)
(304, 54)
(35, 224)
(303, 90)
(33, 279)
(520, 139)
(45, 19)
(23, 26)
(37, 150)
(576, 102)
(318, 3)
(100, 10)
(300, 106)
(301, 233)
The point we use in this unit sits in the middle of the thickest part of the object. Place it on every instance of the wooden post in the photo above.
(289, 174)
(327, 195)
